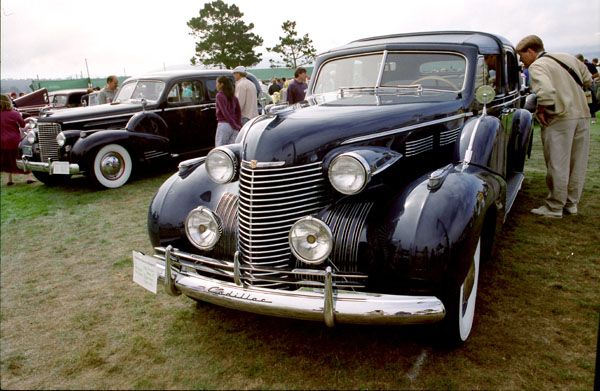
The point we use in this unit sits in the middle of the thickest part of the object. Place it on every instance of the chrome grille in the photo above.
(270, 201)
(227, 209)
(416, 147)
(47, 132)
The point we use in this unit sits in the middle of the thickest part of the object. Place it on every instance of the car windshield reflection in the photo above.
(402, 70)
(150, 90)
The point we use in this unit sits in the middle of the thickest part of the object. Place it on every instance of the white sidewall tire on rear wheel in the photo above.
(112, 166)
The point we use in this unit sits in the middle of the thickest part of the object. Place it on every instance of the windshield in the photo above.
(140, 89)
(435, 71)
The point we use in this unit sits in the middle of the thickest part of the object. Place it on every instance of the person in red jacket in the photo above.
(229, 113)
(11, 122)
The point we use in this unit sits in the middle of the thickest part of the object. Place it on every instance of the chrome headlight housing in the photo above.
(221, 165)
(311, 240)
(203, 228)
(349, 173)
(61, 139)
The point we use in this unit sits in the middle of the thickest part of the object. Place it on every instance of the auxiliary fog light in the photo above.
(311, 240)
(203, 228)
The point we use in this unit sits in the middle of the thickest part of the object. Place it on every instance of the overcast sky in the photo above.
(53, 39)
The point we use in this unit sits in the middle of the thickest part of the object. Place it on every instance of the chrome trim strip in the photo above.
(94, 119)
(318, 304)
(404, 129)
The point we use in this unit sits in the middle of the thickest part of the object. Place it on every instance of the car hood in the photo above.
(92, 112)
(305, 135)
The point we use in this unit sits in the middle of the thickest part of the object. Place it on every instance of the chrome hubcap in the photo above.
(112, 166)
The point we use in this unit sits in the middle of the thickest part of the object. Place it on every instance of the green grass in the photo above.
(71, 316)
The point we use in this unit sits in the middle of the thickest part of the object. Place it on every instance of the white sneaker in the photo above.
(546, 212)
(571, 210)
(593, 120)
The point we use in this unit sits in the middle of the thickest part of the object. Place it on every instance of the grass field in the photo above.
(72, 318)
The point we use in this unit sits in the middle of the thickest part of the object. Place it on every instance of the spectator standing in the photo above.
(246, 93)
(107, 94)
(229, 113)
(563, 112)
(274, 86)
(594, 72)
(10, 133)
(296, 90)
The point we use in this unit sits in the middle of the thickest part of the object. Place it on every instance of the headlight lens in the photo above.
(311, 240)
(221, 165)
(349, 173)
(31, 137)
(60, 139)
(203, 228)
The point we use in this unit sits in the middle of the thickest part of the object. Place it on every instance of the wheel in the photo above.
(436, 78)
(460, 304)
(111, 167)
(50, 180)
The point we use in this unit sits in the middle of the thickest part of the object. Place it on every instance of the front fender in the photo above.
(176, 198)
(423, 238)
(135, 143)
(479, 135)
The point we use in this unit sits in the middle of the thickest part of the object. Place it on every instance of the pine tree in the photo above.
(294, 51)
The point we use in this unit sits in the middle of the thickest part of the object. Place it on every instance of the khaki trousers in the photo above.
(566, 147)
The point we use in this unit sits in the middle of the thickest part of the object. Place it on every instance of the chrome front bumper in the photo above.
(49, 167)
(319, 304)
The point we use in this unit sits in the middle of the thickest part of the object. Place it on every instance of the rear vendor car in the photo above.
(374, 201)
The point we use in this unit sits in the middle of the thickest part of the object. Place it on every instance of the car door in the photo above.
(188, 117)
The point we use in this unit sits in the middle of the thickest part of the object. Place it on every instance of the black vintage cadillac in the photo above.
(372, 202)
(160, 115)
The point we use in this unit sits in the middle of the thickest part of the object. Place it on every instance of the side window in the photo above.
(174, 95)
(489, 72)
(211, 85)
(513, 71)
(186, 91)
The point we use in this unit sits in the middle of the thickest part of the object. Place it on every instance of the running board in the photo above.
(513, 185)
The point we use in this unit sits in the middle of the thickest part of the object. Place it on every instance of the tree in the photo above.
(294, 51)
(224, 39)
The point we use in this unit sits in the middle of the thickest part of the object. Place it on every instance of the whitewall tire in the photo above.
(112, 166)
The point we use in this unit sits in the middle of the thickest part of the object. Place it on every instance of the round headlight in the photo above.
(349, 173)
(311, 240)
(60, 139)
(31, 137)
(221, 165)
(203, 228)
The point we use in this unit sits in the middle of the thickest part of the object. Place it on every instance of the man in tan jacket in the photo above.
(246, 93)
(558, 79)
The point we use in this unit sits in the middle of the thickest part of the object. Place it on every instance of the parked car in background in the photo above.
(30, 104)
(149, 119)
(371, 202)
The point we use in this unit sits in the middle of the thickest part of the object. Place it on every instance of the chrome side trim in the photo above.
(404, 129)
(325, 303)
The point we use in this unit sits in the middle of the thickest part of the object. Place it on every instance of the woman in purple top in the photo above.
(10, 133)
(229, 113)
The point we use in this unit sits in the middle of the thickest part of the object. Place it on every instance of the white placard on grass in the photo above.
(144, 271)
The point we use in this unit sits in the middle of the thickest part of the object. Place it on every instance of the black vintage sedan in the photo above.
(372, 202)
(165, 114)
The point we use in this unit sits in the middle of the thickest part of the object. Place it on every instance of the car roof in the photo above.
(485, 42)
(168, 75)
